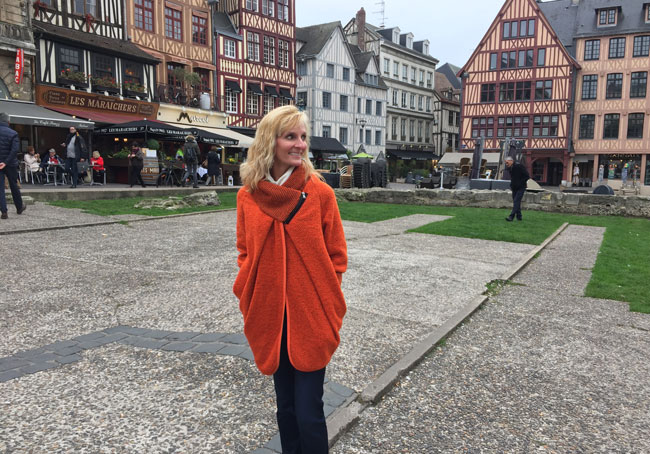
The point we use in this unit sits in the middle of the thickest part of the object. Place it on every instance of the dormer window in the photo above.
(396, 36)
(409, 42)
(607, 17)
(425, 48)
(647, 13)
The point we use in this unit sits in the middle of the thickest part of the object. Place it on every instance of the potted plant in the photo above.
(134, 89)
(105, 83)
(70, 77)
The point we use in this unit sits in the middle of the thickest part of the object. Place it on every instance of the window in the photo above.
(269, 50)
(396, 69)
(253, 46)
(610, 126)
(268, 8)
(404, 99)
(617, 47)
(614, 86)
(523, 28)
(512, 127)
(508, 59)
(172, 74)
(426, 131)
(330, 71)
(413, 73)
(327, 131)
(283, 53)
(204, 79)
(327, 100)
(103, 66)
(344, 103)
(173, 24)
(252, 103)
(493, 60)
(507, 92)
(395, 97)
(359, 105)
(283, 10)
(482, 127)
(371, 79)
(519, 29)
(143, 14)
(545, 125)
(638, 84)
(419, 131)
(506, 29)
(403, 129)
(412, 130)
(231, 101)
(635, 126)
(428, 104)
(84, 7)
(378, 108)
(589, 86)
(450, 120)
(586, 130)
(393, 128)
(531, 27)
(70, 58)
(368, 140)
(525, 58)
(592, 49)
(487, 92)
(377, 137)
(386, 66)
(199, 30)
(641, 46)
(405, 72)
(346, 74)
(229, 49)
(252, 5)
(607, 16)
(522, 91)
(343, 135)
(301, 98)
(514, 33)
(132, 72)
(541, 57)
(369, 106)
(412, 101)
(420, 102)
(543, 90)
(429, 79)
(421, 80)
(269, 103)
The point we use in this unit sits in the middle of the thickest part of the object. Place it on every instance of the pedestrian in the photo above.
(9, 143)
(214, 166)
(76, 151)
(576, 174)
(136, 162)
(191, 156)
(518, 178)
(292, 254)
(601, 173)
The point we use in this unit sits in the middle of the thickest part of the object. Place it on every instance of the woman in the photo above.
(136, 162)
(97, 163)
(292, 254)
(214, 166)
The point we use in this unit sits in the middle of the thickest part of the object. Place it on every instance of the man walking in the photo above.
(76, 151)
(191, 156)
(9, 166)
(518, 178)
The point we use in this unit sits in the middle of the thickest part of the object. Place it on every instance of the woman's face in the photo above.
(289, 148)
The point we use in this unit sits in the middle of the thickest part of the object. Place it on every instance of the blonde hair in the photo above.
(95, 154)
(262, 151)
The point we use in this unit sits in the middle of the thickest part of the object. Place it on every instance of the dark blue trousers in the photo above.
(11, 173)
(71, 168)
(300, 407)
(516, 202)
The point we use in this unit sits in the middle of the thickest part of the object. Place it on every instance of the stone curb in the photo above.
(95, 224)
(346, 416)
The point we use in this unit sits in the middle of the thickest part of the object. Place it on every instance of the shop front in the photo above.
(412, 159)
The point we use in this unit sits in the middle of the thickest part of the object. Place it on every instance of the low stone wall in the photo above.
(589, 204)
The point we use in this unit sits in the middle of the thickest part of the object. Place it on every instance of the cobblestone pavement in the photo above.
(540, 368)
(104, 326)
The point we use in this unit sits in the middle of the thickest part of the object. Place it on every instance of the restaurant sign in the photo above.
(58, 97)
(19, 66)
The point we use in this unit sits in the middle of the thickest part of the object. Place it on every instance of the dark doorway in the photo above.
(554, 175)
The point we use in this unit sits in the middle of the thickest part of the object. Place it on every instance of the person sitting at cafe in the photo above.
(97, 163)
(32, 162)
(52, 159)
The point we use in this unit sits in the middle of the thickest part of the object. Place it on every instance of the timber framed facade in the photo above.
(518, 84)
(257, 71)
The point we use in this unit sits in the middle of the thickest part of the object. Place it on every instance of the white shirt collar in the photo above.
(280, 181)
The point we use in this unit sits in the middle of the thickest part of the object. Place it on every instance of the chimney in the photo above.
(361, 29)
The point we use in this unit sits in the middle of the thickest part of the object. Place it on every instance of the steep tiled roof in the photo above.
(315, 37)
(224, 26)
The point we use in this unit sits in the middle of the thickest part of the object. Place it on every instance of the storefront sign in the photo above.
(187, 116)
(193, 119)
(19, 66)
(82, 100)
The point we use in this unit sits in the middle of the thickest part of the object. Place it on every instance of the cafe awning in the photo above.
(241, 140)
(412, 154)
(233, 86)
(212, 136)
(326, 145)
(285, 93)
(27, 113)
(167, 131)
(271, 91)
(255, 88)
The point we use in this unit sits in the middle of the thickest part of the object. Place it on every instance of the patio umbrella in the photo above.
(362, 154)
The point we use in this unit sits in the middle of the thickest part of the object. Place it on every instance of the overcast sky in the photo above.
(454, 27)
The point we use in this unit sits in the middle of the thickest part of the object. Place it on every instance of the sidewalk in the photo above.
(539, 369)
(127, 338)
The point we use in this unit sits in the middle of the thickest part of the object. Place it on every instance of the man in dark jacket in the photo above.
(75, 151)
(191, 156)
(518, 178)
(9, 166)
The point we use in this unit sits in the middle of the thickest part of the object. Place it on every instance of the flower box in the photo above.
(134, 93)
(107, 88)
(68, 82)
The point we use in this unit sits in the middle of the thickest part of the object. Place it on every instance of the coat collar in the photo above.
(279, 201)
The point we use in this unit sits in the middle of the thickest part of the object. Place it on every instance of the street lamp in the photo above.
(362, 122)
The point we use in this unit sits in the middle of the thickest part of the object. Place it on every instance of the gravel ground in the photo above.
(539, 368)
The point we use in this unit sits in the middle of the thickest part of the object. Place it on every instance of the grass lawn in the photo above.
(112, 207)
(621, 272)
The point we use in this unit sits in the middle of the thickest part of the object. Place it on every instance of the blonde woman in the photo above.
(292, 254)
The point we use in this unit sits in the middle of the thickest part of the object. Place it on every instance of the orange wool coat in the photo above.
(294, 267)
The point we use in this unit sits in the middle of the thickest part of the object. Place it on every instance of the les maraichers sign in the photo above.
(91, 101)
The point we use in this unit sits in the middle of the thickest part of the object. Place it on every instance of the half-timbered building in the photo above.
(340, 88)
(256, 72)
(518, 84)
